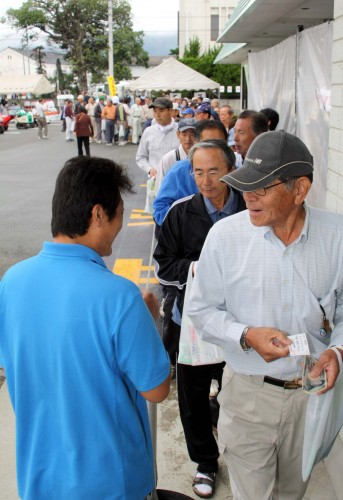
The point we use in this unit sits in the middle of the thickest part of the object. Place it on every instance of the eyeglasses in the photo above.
(263, 191)
(212, 174)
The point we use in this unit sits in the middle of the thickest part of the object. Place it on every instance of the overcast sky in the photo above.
(154, 17)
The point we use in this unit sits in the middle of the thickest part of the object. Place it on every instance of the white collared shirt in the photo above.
(247, 276)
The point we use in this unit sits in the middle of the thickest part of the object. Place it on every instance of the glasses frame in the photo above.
(268, 187)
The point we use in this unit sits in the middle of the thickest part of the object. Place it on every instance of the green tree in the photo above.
(38, 55)
(60, 76)
(80, 28)
(224, 74)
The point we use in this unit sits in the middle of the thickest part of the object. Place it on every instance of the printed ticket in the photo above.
(299, 346)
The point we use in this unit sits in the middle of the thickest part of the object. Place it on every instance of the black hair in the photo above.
(272, 117)
(82, 183)
(259, 122)
(209, 124)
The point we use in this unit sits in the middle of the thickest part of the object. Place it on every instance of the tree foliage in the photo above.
(224, 74)
(38, 55)
(80, 28)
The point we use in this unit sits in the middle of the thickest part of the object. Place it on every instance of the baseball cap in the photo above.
(205, 107)
(186, 123)
(271, 155)
(102, 98)
(161, 102)
(187, 111)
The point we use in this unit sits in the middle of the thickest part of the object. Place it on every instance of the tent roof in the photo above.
(25, 84)
(173, 75)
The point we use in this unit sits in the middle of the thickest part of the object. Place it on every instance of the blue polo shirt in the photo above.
(177, 183)
(78, 345)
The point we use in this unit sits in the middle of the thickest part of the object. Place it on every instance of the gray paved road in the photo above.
(28, 169)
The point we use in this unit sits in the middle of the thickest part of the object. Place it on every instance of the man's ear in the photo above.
(97, 214)
(302, 187)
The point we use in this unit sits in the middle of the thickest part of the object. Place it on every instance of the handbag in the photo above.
(324, 419)
(103, 125)
(192, 349)
(150, 195)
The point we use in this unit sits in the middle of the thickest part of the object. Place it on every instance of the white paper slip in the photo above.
(299, 346)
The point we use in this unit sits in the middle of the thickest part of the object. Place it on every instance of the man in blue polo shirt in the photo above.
(81, 351)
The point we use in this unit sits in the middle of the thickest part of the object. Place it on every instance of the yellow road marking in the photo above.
(140, 216)
(133, 270)
(148, 223)
(138, 210)
(128, 268)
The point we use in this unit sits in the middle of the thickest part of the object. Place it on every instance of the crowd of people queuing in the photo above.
(230, 210)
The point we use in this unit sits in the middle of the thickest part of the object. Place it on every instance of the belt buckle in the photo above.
(292, 384)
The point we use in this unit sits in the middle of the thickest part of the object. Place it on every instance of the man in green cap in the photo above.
(97, 115)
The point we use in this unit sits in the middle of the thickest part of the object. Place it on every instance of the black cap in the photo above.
(271, 155)
(161, 102)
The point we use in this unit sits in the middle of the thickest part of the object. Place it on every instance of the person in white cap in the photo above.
(264, 274)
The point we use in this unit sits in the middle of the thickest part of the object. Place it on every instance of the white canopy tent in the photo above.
(173, 75)
(25, 84)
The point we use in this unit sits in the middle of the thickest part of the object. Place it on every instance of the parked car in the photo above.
(4, 121)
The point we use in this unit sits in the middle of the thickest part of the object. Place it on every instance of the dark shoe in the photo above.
(207, 479)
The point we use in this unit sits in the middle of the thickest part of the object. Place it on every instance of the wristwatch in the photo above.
(243, 339)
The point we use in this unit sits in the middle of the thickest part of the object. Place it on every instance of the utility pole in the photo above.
(110, 38)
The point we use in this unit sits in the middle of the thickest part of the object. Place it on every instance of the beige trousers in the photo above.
(260, 434)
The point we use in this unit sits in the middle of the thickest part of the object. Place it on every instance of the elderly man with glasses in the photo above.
(272, 271)
(180, 241)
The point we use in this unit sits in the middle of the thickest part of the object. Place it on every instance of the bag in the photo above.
(72, 127)
(324, 419)
(121, 131)
(192, 349)
(150, 195)
(103, 125)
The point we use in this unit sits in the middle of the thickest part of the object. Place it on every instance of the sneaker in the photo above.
(45, 136)
(204, 484)
(70, 140)
(109, 144)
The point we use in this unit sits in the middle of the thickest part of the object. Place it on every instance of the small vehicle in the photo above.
(25, 119)
(4, 121)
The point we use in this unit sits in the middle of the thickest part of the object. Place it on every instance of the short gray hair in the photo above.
(226, 152)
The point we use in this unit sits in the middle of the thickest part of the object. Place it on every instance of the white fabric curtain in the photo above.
(272, 81)
(294, 78)
(313, 102)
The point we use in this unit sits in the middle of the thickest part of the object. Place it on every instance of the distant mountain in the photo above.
(159, 45)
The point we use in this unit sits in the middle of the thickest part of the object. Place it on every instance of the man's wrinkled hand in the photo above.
(328, 361)
(152, 172)
(269, 343)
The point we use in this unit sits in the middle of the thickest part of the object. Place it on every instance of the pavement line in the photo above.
(146, 281)
(128, 268)
(133, 270)
(148, 223)
(143, 185)
(140, 216)
(138, 210)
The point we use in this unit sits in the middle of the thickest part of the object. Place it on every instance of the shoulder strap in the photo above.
(177, 154)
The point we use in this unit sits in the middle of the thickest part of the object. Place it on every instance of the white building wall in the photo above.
(334, 195)
(195, 20)
(13, 62)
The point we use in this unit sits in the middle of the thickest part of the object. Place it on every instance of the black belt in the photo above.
(286, 384)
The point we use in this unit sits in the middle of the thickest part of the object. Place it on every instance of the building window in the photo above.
(214, 27)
